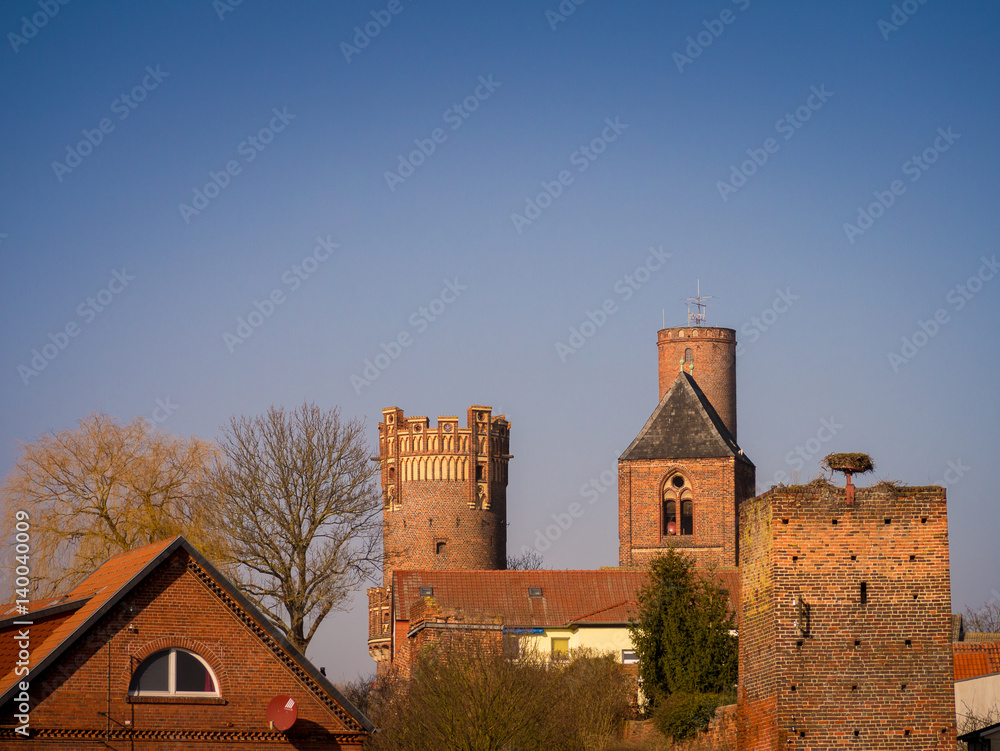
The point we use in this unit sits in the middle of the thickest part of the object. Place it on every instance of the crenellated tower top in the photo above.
(444, 490)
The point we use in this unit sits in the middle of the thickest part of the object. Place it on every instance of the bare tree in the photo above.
(301, 508)
(983, 620)
(105, 487)
(529, 560)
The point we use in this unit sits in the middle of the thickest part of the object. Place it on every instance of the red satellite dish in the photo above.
(282, 711)
(671, 528)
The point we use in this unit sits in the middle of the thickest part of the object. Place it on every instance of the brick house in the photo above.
(977, 681)
(156, 649)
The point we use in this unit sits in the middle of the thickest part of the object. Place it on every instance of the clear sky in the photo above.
(507, 168)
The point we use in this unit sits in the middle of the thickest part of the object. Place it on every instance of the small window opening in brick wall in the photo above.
(833, 521)
(794, 688)
(887, 520)
(909, 642)
(906, 732)
(439, 548)
(784, 521)
(923, 519)
(913, 558)
(864, 593)
(854, 558)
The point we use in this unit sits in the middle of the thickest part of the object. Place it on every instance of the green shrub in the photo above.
(683, 715)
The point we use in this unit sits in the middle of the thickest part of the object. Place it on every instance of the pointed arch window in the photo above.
(677, 506)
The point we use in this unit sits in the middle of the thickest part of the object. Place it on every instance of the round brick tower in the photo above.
(444, 491)
(708, 354)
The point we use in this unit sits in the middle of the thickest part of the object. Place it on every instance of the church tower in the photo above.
(444, 501)
(682, 479)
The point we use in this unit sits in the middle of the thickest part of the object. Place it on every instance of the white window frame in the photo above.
(172, 676)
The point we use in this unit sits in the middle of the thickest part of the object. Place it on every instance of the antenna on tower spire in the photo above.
(698, 317)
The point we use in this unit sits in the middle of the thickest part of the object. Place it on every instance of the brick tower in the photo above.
(682, 479)
(708, 354)
(444, 501)
(845, 623)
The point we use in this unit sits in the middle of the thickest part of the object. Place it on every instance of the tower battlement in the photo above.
(444, 490)
(412, 451)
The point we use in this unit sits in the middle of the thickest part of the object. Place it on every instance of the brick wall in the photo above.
(85, 695)
(823, 665)
(718, 485)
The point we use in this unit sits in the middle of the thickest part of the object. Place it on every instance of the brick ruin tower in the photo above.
(845, 622)
(682, 479)
(444, 501)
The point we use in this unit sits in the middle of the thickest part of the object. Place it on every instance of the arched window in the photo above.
(173, 672)
(677, 497)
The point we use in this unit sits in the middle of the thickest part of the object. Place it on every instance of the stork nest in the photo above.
(853, 463)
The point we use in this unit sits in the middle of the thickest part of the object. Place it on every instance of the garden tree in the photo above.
(300, 504)
(463, 694)
(682, 636)
(105, 487)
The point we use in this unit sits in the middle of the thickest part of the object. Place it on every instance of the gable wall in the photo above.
(172, 608)
(714, 484)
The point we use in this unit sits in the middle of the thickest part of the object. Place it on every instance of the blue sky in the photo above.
(530, 159)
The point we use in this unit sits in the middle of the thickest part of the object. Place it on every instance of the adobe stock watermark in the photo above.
(363, 35)
(292, 278)
(455, 116)
(901, 13)
(957, 298)
(122, 107)
(758, 324)
(249, 150)
(581, 158)
(161, 413)
(624, 289)
(562, 12)
(786, 127)
(592, 491)
(810, 449)
(914, 168)
(714, 28)
(48, 9)
(88, 310)
(419, 321)
(953, 474)
(222, 7)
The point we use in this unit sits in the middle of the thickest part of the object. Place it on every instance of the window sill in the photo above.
(176, 700)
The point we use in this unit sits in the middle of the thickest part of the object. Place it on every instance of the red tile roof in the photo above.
(568, 597)
(976, 659)
(94, 592)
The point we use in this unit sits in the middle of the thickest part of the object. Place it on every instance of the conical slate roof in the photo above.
(684, 426)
